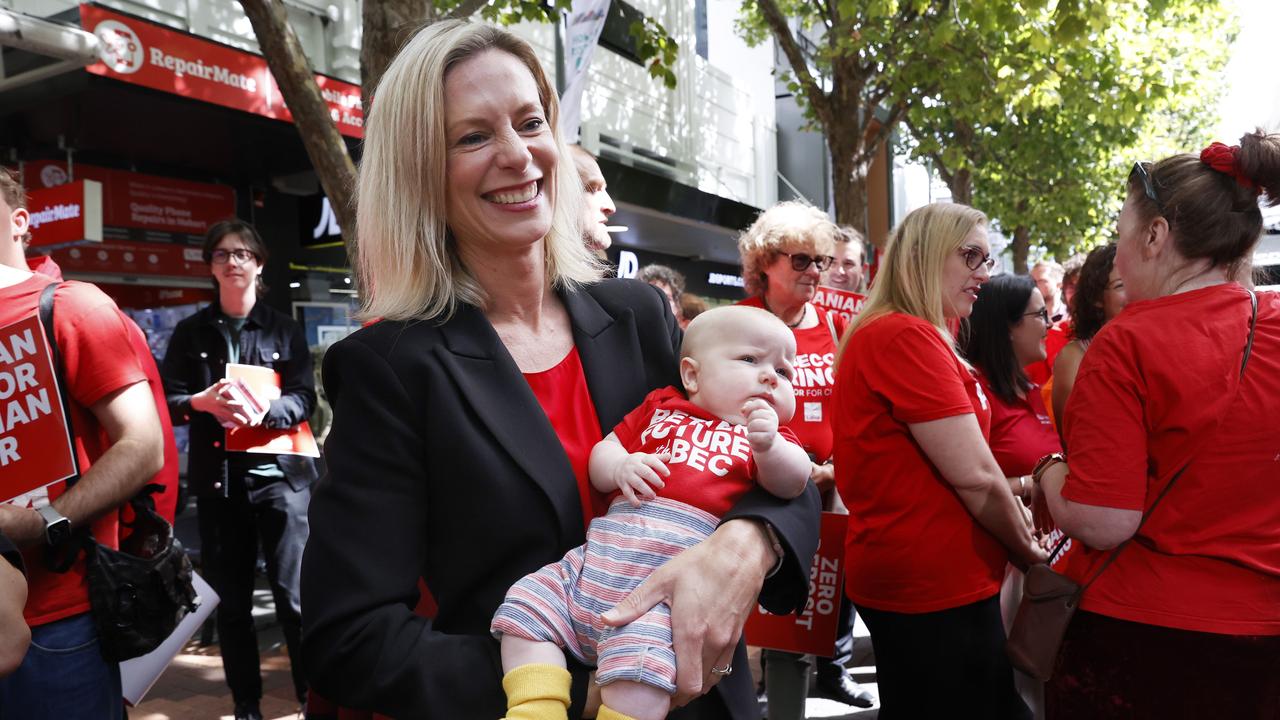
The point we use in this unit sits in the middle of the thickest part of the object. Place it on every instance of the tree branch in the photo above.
(886, 127)
(782, 33)
(324, 144)
(465, 9)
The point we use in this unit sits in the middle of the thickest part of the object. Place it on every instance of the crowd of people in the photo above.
(552, 494)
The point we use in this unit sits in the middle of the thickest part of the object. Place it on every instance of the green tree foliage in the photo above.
(1055, 101)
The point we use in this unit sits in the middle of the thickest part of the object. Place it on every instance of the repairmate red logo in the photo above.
(121, 50)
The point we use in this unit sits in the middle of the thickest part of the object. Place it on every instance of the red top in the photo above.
(562, 393)
(912, 546)
(711, 463)
(1056, 339)
(98, 359)
(1021, 432)
(814, 382)
(1144, 403)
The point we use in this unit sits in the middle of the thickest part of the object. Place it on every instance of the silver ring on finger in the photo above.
(722, 671)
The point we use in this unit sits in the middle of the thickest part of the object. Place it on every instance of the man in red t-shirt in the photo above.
(119, 448)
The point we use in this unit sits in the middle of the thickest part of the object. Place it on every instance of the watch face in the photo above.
(58, 531)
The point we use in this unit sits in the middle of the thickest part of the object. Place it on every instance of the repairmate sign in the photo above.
(143, 53)
(35, 447)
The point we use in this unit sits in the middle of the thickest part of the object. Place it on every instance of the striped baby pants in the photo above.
(562, 602)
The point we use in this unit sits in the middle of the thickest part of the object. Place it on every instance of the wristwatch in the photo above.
(57, 528)
(1045, 463)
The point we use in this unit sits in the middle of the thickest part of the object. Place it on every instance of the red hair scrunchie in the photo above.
(1226, 160)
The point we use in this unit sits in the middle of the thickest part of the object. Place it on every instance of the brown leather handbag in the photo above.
(1050, 599)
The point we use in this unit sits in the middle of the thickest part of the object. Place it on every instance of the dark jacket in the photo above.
(197, 357)
(442, 466)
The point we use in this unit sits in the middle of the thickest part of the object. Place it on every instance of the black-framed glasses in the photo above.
(975, 258)
(220, 256)
(1148, 184)
(801, 261)
(1042, 313)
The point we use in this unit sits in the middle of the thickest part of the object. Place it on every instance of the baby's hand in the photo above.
(637, 476)
(762, 424)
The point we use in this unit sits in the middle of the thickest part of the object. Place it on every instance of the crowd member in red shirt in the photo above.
(784, 253)
(1099, 297)
(118, 446)
(1186, 621)
(932, 518)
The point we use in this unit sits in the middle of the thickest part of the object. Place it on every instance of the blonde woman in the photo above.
(932, 519)
(464, 418)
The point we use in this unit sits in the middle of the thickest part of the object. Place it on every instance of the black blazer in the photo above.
(197, 356)
(441, 465)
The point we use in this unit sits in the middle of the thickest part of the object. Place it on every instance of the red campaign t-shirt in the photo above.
(98, 359)
(1021, 432)
(814, 382)
(562, 392)
(711, 462)
(912, 546)
(1154, 381)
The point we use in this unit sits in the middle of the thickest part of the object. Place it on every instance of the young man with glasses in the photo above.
(244, 498)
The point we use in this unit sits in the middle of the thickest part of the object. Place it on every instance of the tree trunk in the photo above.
(1020, 247)
(387, 24)
(849, 178)
(961, 184)
(320, 136)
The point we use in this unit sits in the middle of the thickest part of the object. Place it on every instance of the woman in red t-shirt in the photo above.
(784, 254)
(1186, 621)
(932, 519)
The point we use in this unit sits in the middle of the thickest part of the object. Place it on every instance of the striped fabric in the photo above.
(562, 602)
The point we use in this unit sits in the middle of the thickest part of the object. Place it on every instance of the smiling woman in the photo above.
(465, 417)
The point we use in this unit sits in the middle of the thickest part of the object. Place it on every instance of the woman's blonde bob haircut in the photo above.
(789, 225)
(910, 276)
(406, 258)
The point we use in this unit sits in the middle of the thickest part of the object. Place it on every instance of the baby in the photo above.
(673, 466)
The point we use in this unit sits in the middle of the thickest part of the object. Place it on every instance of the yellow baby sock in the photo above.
(607, 713)
(537, 692)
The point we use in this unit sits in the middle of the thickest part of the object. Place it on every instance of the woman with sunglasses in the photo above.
(1171, 429)
(784, 254)
(933, 520)
(1099, 297)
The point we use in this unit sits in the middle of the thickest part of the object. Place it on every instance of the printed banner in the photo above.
(844, 303)
(143, 53)
(166, 259)
(66, 214)
(813, 629)
(582, 33)
(35, 448)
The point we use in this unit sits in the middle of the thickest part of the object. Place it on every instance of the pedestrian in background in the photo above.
(1099, 297)
(1171, 427)
(847, 270)
(933, 520)
(597, 206)
(244, 500)
(670, 282)
(784, 253)
(119, 448)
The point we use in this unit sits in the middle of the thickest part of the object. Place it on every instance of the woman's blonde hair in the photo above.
(910, 276)
(406, 258)
(790, 222)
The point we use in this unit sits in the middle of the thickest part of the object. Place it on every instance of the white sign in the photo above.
(582, 32)
(628, 264)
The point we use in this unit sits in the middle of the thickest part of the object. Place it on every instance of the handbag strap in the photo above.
(1244, 363)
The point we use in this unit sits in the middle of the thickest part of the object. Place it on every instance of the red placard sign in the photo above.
(145, 202)
(844, 303)
(813, 629)
(143, 53)
(35, 448)
(66, 214)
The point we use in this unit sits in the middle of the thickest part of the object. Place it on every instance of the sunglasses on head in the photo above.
(800, 261)
(1148, 184)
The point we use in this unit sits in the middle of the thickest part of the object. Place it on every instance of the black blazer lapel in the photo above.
(488, 379)
(610, 350)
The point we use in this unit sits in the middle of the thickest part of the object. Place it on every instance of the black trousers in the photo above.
(950, 663)
(274, 514)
